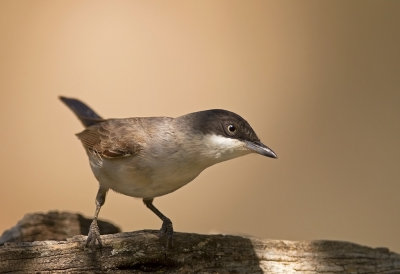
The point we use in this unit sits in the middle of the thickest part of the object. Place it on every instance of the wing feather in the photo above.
(112, 139)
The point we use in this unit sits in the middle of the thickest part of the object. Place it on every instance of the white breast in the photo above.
(145, 178)
(159, 171)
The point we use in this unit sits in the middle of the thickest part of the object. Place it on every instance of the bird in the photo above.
(148, 157)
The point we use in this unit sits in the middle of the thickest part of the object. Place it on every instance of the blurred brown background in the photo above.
(318, 81)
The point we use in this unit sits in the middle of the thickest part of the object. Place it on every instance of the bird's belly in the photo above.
(129, 178)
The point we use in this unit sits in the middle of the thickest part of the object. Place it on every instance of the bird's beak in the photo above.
(260, 148)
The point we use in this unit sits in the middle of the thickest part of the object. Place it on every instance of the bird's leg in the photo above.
(94, 232)
(166, 228)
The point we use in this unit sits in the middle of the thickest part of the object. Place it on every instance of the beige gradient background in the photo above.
(317, 80)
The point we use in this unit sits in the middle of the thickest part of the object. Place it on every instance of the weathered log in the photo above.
(53, 225)
(143, 251)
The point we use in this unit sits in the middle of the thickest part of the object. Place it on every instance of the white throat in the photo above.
(222, 148)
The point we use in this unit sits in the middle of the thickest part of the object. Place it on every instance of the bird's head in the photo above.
(224, 134)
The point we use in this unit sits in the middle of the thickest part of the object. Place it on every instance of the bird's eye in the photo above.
(231, 128)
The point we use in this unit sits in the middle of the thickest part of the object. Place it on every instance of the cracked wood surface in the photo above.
(143, 251)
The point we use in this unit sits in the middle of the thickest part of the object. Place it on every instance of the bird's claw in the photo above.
(167, 230)
(94, 235)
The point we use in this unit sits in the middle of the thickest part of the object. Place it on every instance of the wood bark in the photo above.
(144, 251)
(53, 225)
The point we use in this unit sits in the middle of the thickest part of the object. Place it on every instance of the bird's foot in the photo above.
(167, 230)
(94, 235)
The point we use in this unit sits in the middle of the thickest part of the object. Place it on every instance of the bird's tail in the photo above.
(84, 113)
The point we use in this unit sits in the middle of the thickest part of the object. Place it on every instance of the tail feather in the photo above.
(85, 114)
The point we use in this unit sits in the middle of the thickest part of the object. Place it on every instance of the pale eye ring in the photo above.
(231, 128)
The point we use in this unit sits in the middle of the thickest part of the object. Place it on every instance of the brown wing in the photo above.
(114, 138)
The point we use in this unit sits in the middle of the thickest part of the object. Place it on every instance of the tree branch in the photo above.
(143, 251)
